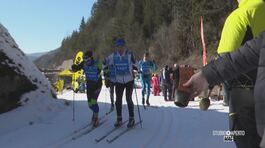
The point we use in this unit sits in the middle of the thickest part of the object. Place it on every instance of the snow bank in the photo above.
(23, 65)
(36, 96)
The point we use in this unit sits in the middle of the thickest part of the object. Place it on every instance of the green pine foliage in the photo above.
(168, 29)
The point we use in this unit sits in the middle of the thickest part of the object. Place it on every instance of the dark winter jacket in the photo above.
(246, 58)
(165, 76)
(176, 73)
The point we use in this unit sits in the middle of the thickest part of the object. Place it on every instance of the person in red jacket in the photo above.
(155, 85)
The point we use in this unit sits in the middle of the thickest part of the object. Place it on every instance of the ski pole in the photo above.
(73, 98)
(139, 113)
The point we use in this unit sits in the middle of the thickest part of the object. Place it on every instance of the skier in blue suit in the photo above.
(146, 68)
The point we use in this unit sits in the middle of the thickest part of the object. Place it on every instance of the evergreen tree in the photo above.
(82, 25)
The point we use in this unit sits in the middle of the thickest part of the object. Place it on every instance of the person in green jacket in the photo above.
(243, 24)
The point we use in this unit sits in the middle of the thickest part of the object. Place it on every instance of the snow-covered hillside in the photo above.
(164, 127)
(22, 65)
(21, 83)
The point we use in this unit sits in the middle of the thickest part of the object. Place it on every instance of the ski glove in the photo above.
(74, 68)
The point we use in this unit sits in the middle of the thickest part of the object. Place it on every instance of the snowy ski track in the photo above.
(164, 127)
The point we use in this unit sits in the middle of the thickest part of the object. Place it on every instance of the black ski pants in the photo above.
(119, 89)
(112, 86)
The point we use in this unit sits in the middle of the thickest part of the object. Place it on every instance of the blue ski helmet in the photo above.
(120, 42)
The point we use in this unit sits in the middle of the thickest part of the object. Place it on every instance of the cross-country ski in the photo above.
(87, 131)
(122, 133)
(110, 132)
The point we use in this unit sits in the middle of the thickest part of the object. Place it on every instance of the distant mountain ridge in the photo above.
(34, 56)
(47, 60)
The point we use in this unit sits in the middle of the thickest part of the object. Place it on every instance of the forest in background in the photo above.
(168, 29)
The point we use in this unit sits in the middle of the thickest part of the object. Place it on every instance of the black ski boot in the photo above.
(131, 122)
(147, 102)
(118, 122)
(95, 120)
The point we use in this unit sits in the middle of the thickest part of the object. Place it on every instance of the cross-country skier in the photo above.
(146, 68)
(124, 62)
(92, 69)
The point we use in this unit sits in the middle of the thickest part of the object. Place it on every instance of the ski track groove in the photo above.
(149, 141)
(175, 130)
(171, 141)
(107, 125)
(66, 139)
(69, 140)
(63, 140)
(167, 134)
(161, 122)
(160, 141)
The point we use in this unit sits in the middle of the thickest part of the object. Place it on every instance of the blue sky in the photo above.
(40, 25)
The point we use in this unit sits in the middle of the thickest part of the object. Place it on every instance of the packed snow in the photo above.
(48, 123)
